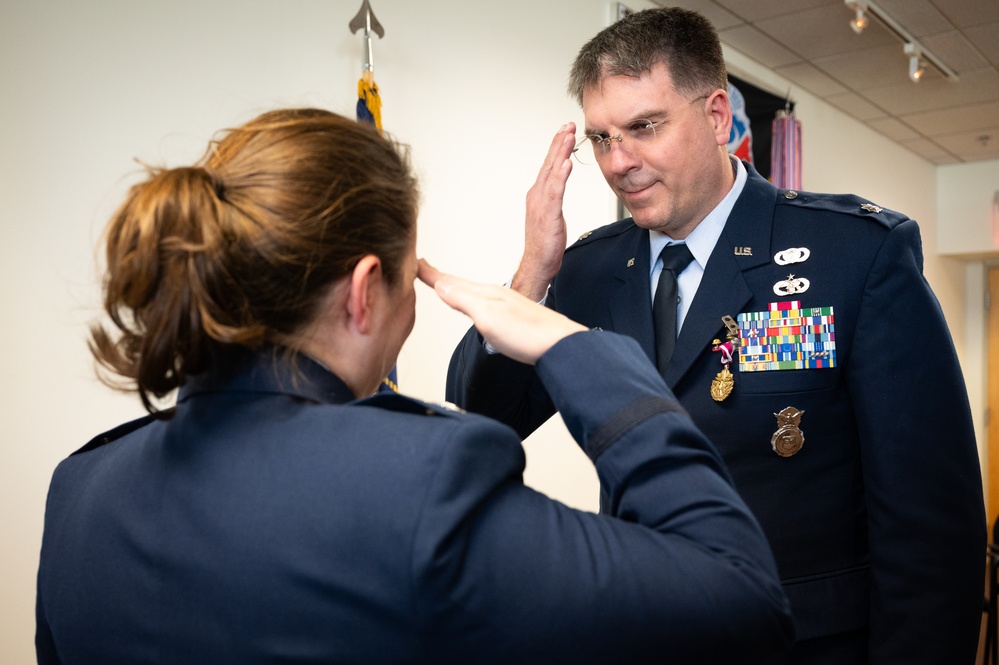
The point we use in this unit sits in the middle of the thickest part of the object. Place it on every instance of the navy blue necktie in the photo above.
(675, 259)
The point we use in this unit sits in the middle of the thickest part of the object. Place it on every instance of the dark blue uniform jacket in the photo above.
(275, 519)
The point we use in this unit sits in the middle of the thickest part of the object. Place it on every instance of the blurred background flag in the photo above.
(369, 109)
(753, 111)
(785, 151)
(369, 103)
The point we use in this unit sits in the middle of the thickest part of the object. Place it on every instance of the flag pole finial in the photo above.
(366, 19)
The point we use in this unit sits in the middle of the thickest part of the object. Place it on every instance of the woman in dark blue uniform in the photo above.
(282, 512)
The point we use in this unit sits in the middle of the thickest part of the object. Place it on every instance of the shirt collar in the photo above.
(701, 241)
(269, 371)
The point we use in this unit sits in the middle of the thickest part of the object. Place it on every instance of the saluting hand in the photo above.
(514, 325)
(545, 231)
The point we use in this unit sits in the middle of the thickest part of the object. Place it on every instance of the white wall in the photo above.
(477, 89)
(968, 232)
(967, 193)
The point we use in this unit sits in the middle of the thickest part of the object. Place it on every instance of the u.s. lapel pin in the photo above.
(631, 262)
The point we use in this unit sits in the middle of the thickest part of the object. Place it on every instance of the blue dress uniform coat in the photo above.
(877, 523)
(275, 519)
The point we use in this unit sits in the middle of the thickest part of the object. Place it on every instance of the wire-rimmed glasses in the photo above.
(592, 147)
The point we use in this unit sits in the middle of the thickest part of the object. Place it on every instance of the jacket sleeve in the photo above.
(920, 464)
(676, 570)
(45, 651)
(495, 386)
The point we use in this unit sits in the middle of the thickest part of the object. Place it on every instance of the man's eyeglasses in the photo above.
(643, 131)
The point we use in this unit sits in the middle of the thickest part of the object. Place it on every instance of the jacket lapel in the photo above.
(629, 304)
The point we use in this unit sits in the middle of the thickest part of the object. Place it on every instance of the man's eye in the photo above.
(643, 130)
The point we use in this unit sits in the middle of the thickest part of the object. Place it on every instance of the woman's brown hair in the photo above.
(239, 248)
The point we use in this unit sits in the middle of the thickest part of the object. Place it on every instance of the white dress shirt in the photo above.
(701, 243)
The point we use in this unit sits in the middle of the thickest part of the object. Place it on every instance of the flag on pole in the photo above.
(753, 110)
(369, 103)
(785, 151)
(369, 109)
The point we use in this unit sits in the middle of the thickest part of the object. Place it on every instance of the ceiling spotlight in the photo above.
(919, 56)
(860, 21)
(916, 69)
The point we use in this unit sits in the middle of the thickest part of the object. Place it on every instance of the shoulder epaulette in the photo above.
(123, 429)
(403, 404)
(607, 231)
(846, 204)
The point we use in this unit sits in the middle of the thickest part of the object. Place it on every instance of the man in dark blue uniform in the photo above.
(814, 353)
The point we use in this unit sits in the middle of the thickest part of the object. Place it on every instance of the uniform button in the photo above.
(790, 194)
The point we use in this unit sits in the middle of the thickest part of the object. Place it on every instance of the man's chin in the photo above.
(645, 217)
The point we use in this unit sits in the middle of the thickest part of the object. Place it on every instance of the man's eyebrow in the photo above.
(656, 114)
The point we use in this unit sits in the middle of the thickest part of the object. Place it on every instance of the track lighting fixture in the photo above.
(916, 69)
(859, 22)
(918, 54)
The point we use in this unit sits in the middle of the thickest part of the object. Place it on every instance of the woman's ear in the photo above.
(366, 283)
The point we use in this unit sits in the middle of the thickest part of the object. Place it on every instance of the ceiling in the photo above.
(811, 44)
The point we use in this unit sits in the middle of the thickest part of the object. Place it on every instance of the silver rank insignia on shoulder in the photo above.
(792, 255)
(585, 235)
(870, 207)
(791, 286)
(788, 439)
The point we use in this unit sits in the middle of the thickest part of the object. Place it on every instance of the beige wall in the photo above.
(968, 240)
(967, 193)
(476, 88)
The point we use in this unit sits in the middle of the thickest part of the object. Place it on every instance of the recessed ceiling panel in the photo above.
(954, 119)
(758, 46)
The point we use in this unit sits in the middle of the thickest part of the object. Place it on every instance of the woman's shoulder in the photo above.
(442, 423)
(398, 402)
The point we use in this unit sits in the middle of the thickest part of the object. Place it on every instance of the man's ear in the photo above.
(365, 283)
(720, 111)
